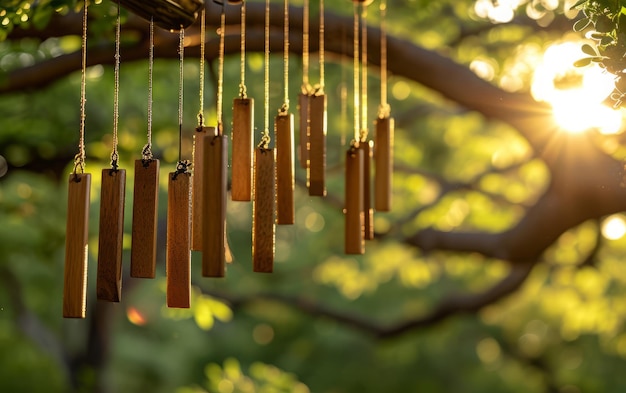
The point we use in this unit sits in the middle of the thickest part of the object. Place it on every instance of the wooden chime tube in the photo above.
(368, 210)
(285, 208)
(303, 145)
(77, 232)
(178, 259)
(383, 158)
(214, 183)
(110, 244)
(317, 145)
(145, 211)
(243, 139)
(263, 228)
(354, 228)
(197, 184)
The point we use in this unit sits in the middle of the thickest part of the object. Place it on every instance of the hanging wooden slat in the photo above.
(303, 123)
(354, 228)
(197, 181)
(110, 239)
(383, 158)
(77, 232)
(285, 209)
(243, 140)
(317, 145)
(145, 211)
(263, 228)
(214, 205)
(368, 209)
(178, 260)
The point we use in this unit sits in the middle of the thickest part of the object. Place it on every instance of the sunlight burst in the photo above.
(576, 94)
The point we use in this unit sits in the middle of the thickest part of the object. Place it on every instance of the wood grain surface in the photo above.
(197, 181)
(354, 228)
(317, 145)
(383, 161)
(178, 259)
(285, 207)
(145, 210)
(243, 141)
(111, 235)
(368, 210)
(263, 227)
(77, 233)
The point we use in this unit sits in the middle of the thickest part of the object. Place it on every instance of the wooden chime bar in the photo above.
(368, 211)
(303, 126)
(111, 233)
(317, 145)
(354, 227)
(243, 141)
(383, 163)
(197, 185)
(285, 208)
(167, 14)
(178, 258)
(77, 236)
(145, 208)
(263, 229)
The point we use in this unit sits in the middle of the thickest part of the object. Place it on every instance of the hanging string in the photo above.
(285, 107)
(79, 158)
(202, 57)
(183, 165)
(146, 153)
(116, 93)
(242, 83)
(305, 47)
(220, 80)
(265, 137)
(357, 118)
(363, 73)
(321, 47)
(384, 109)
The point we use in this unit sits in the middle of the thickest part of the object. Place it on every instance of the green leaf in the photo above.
(581, 24)
(578, 4)
(589, 50)
(582, 62)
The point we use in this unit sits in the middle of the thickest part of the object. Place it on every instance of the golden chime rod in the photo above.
(77, 226)
(178, 258)
(145, 195)
(109, 279)
(283, 129)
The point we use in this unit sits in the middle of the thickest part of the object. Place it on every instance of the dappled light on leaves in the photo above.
(576, 94)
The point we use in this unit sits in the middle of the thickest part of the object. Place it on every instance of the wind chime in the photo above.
(312, 105)
(197, 199)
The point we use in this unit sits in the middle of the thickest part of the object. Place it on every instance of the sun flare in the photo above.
(576, 94)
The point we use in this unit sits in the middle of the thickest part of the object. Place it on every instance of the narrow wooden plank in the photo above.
(368, 210)
(110, 238)
(285, 208)
(303, 125)
(178, 259)
(354, 228)
(214, 205)
(77, 233)
(383, 158)
(145, 211)
(317, 145)
(263, 227)
(243, 141)
(197, 181)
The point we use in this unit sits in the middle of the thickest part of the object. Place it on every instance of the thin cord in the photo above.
(356, 69)
(79, 158)
(202, 57)
(181, 51)
(116, 93)
(285, 108)
(265, 137)
(321, 46)
(305, 46)
(242, 83)
(384, 109)
(220, 80)
(147, 149)
(364, 73)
